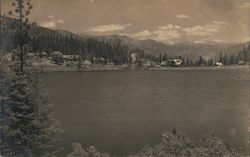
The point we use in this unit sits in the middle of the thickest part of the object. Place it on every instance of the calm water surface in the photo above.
(122, 111)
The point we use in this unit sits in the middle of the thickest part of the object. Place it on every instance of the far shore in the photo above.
(63, 68)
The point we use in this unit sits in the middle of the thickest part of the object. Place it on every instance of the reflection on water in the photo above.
(121, 111)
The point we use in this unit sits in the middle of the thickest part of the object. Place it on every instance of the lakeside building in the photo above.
(175, 62)
(218, 64)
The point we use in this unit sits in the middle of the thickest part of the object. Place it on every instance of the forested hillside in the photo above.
(46, 40)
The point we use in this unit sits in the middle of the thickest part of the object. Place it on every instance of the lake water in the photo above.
(122, 111)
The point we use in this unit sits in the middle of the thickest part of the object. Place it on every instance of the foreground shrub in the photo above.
(91, 151)
(173, 144)
(177, 144)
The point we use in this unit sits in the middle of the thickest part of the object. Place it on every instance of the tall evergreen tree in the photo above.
(27, 123)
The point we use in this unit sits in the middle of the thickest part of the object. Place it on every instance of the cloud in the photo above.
(167, 32)
(220, 22)
(49, 24)
(199, 41)
(247, 39)
(170, 26)
(170, 32)
(50, 16)
(60, 21)
(182, 16)
(164, 33)
(217, 40)
(242, 39)
(244, 5)
(143, 35)
(108, 28)
(52, 22)
(202, 41)
(205, 30)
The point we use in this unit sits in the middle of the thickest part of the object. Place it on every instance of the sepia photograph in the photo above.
(124, 78)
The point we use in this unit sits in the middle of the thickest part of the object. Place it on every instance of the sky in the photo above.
(168, 21)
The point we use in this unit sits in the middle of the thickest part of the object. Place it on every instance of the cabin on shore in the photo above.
(175, 62)
(219, 64)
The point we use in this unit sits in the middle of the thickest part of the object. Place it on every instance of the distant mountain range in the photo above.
(186, 49)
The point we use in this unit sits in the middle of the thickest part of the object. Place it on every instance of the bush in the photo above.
(91, 151)
(173, 144)
(177, 144)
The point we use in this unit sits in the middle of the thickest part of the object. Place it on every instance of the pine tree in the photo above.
(27, 123)
(220, 58)
(200, 61)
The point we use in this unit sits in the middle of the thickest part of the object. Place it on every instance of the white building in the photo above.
(218, 64)
(175, 62)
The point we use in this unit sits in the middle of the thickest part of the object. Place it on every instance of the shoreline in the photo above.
(59, 68)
